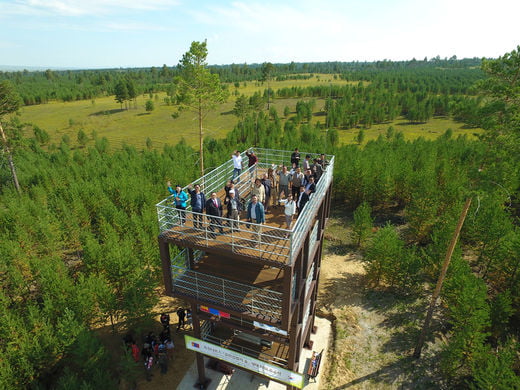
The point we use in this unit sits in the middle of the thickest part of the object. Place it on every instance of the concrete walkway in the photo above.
(242, 380)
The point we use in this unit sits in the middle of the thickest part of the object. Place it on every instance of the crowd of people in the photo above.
(157, 350)
(288, 186)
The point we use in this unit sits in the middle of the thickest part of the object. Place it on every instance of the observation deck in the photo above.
(273, 245)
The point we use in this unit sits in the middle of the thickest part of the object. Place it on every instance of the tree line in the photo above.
(39, 87)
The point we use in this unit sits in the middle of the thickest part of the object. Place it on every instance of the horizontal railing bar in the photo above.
(264, 304)
(229, 282)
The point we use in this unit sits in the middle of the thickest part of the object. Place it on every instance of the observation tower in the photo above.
(252, 291)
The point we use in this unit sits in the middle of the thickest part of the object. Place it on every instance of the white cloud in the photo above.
(275, 18)
(82, 7)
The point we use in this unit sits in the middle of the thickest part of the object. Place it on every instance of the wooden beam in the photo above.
(164, 250)
(436, 293)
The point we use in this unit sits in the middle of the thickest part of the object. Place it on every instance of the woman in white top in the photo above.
(290, 209)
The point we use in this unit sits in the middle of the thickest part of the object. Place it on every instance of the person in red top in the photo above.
(253, 159)
(135, 352)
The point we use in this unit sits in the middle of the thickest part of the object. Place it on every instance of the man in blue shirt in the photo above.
(198, 203)
(256, 215)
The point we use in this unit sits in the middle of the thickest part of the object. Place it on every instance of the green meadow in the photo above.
(134, 125)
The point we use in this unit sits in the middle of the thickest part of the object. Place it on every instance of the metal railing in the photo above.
(212, 289)
(245, 238)
(305, 220)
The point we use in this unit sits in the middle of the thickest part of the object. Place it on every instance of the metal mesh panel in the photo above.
(237, 296)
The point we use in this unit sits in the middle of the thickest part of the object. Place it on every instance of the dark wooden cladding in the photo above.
(166, 266)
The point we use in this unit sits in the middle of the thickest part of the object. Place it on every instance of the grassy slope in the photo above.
(135, 125)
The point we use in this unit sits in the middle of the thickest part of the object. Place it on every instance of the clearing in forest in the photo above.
(374, 331)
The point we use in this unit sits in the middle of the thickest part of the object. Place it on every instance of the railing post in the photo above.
(291, 249)
(223, 292)
(206, 234)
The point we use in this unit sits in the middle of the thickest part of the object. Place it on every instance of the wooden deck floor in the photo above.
(272, 245)
(256, 275)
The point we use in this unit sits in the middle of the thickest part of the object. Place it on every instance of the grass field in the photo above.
(135, 125)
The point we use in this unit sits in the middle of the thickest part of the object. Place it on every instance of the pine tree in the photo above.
(363, 224)
(9, 103)
(121, 93)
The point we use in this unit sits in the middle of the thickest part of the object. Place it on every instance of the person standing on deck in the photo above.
(310, 186)
(268, 188)
(296, 182)
(234, 207)
(295, 157)
(303, 198)
(256, 215)
(289, 210)
(214, 212)
(317, 169)
(237, 165)
(307, 163)
(179, 198)
(253, 160)
(198, 203)
(284, 182)
(274, 185)
(258, 190)
(230, 187)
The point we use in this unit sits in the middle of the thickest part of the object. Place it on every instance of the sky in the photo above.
(86, 34)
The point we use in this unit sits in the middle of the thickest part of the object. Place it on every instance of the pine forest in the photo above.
(78, 224)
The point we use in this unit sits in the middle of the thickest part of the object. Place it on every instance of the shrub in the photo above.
(389, 262)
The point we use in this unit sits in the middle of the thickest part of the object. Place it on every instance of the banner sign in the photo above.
(215, 312)
(269, 370)
(270, 328)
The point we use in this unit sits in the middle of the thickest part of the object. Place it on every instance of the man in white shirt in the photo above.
(237, 165)
(289, 210)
